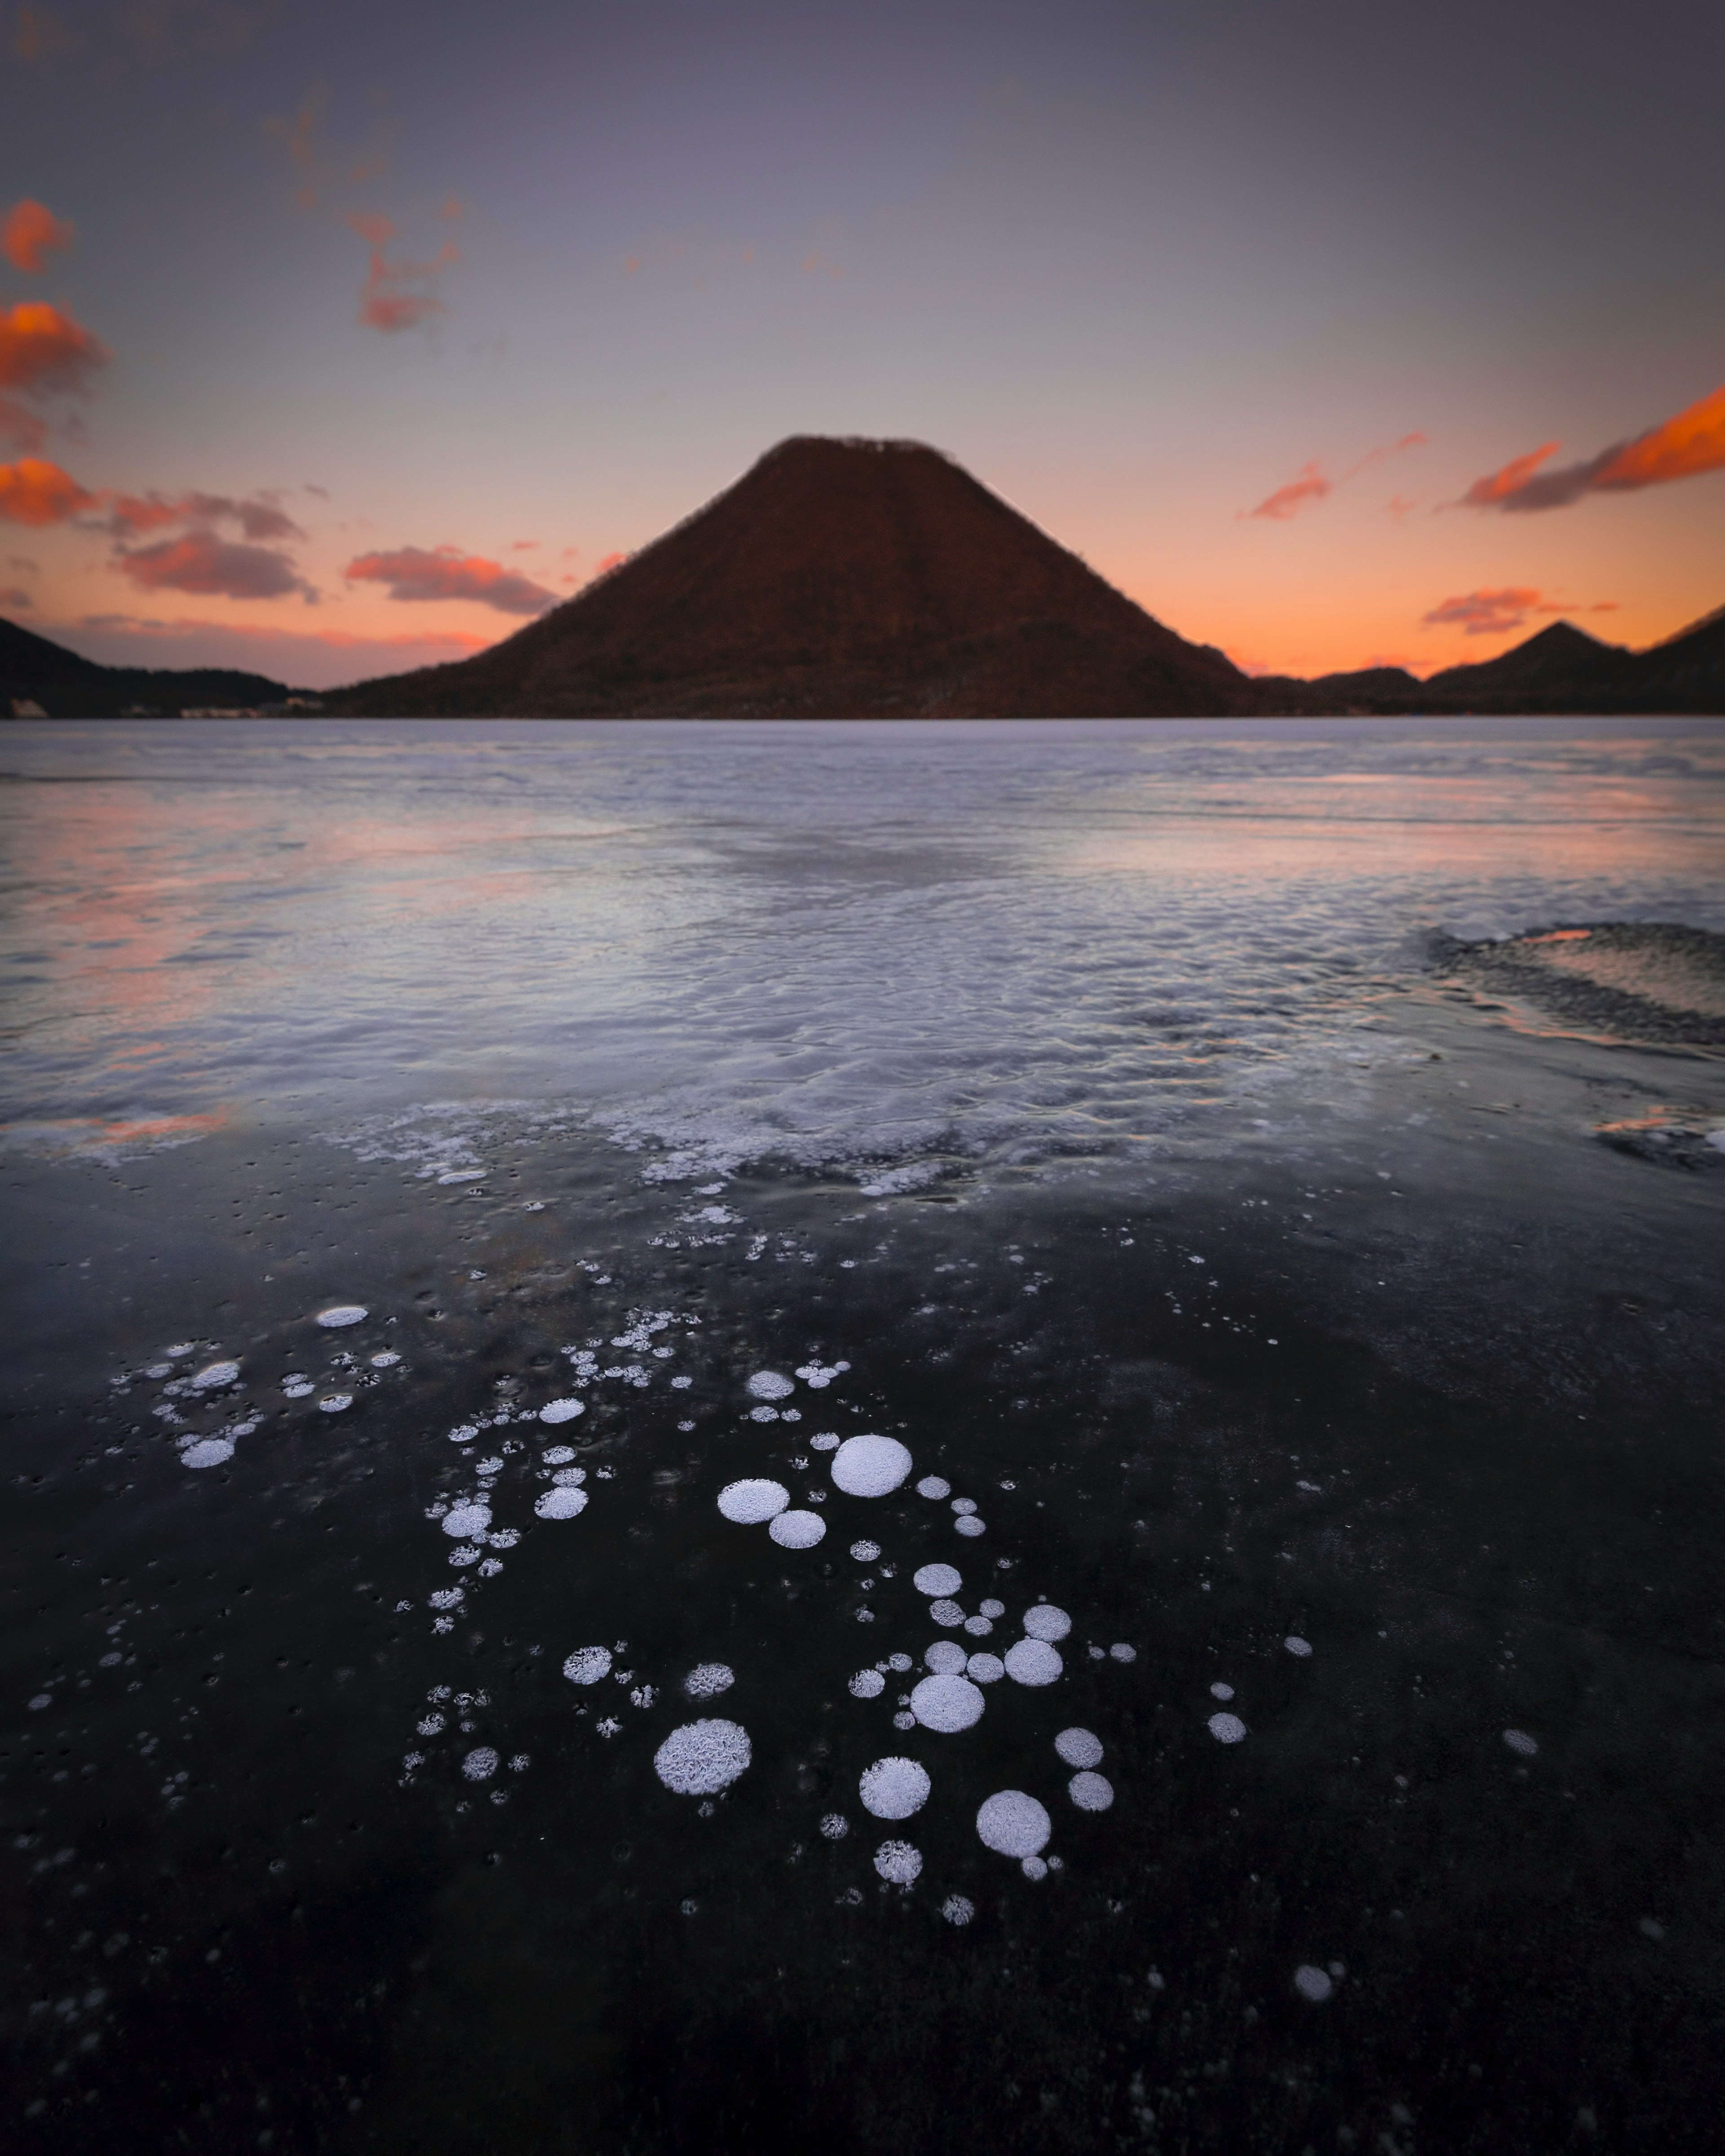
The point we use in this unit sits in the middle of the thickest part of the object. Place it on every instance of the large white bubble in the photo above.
(1033, 1662)
(707, 1680)
(560, 1504)
(342, 1313)
(937, 1579)
(1227, 1728)
(748, 1503)
(798, 1529)
(769, 1385)
(561, 1410)
(208, 1452)
(946, 1703)
(702, 1758)
(1090, 1793)
(212, 1374)
(893, 1788)
(467, 1522)
(869, 1465)
(587, 1665)
(1046, 1622)
(1014, 1825)
(985, 1668)
(867, 1684)
(898, 1862)
(944, 1657)
(1080, 1747)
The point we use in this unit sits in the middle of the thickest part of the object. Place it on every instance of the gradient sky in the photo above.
(334, 338)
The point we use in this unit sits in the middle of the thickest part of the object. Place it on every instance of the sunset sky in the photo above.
(339, 340)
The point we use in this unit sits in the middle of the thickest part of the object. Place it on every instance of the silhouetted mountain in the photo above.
(836, 579)
(34, 670)
(1549, 672)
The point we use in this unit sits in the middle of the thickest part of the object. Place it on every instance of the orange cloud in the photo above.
(1684, 447)
(445, 573)
(610, 561)
(1484, 613)
(44, 349)
(261, 517)
(202, 563)
(1311, 487)
(33, 492)
(31, 233)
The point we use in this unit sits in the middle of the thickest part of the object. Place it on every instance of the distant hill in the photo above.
(34, 670)
(837, 579)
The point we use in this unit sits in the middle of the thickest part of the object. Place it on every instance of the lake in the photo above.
(923, 1434)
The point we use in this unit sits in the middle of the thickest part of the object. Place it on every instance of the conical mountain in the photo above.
(837, 579)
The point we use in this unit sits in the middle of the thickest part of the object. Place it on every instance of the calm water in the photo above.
(1074, 1107)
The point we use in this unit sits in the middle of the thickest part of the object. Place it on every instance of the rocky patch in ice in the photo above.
(1226, 1728)
(702, 1758)
(748, 1503)
(1033, 1662)
(796, 1530)
(560, 1503)
(342, 1313)
(899, 1863)
(1044, 1622)
(894, 1788)
(1080, 1747)
(555, 1411)
(1090, 1793)
(936, 1579)
(1012, 1824)
(587, 1665)
(869, 1465)
(946, 1703)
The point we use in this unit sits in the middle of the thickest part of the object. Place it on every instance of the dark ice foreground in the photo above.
(405, 1751)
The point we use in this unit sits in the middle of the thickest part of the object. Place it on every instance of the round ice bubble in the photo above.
(834, 1826)
(769, 1385)
(867, 1684)
(970, 1525)
(964, 1506)
(212, 1375)
(899, 1662)
(1014, 1825)
(560, 1504)
(992, 1608)
(936, 1579)
(569, 1478)
(587, 1665)
(1518, 1740)
(957, 1908)
(481, 1763)
(798, 1529)
(707, 1680)
(1090, 1793)
(893, 1788)
(946, 1612)
(1312, 1983)
(555, 1456)
(1033, 1662)
(1080, 1747)
(1122, 1652)
(561, 1410)
(1033, 1867)
(985, 1668)
(898, 1863)
(342, 1313)
(1221, 1691)
(748, 1503)
(467, 1522)
(934, 1486)
(944, 1657)
(869, 1465)
(1044, 1622)
(866, 1553)
(1295, 1645)
(1227, 1728)
(946, 1703)
(702, 1758)
(385, 1359)
(335, 1403)
(904, 1719)
(825, 1440)
(208, 1452)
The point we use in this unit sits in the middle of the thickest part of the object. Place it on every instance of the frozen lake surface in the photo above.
(718, 1434)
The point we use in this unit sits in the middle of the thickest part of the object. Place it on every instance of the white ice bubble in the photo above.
(707, 1680)
(481, 1763)
(1221, 1691)
(1033, 1867)
(946, 1612)
(798, 1529)
(561, 1410)
(834, 1826)
(296, 1388)
(702, 1758)
(1033, 1662)
(964, 1506)
(1312, 1983)
(985, 1668)
(1518, 1740)
(1295, 1645)
(866, 1553)
(561, 1503)
(1123, 1652)
(898, 1863)
(1226, 1728)
(899, 1662)
(867, 1684)
(936, 1579)
(1044, 1622)
(934, 1486)
(587, 1665)
(769, 1385)
(904, 1719)
(335, 1402)
(991, 1608)
(385, 1359)
(945, 1657)
(461, 1175)
(978, 1627)
(971, 1526)
(750, 1503)
(825, 1440)
(869, 1465)
(763, 1414)
(467, 1522)
(1090, 1793)
(212, 1375)
(957, 1908)
(556, 1455)
(1080, 1747)
(343, 1313)
(893, 1788)
(1014, 1825)
(208, 1452)
(946, 1703)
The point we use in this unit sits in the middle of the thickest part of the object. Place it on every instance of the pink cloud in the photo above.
(1484, 613)
(33, 492)
(1311, 487)
(31, 233)
(445, 573)
(1685, 446)
(261, 517)
(200, 563)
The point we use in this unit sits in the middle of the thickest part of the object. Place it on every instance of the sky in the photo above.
(335, 341)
